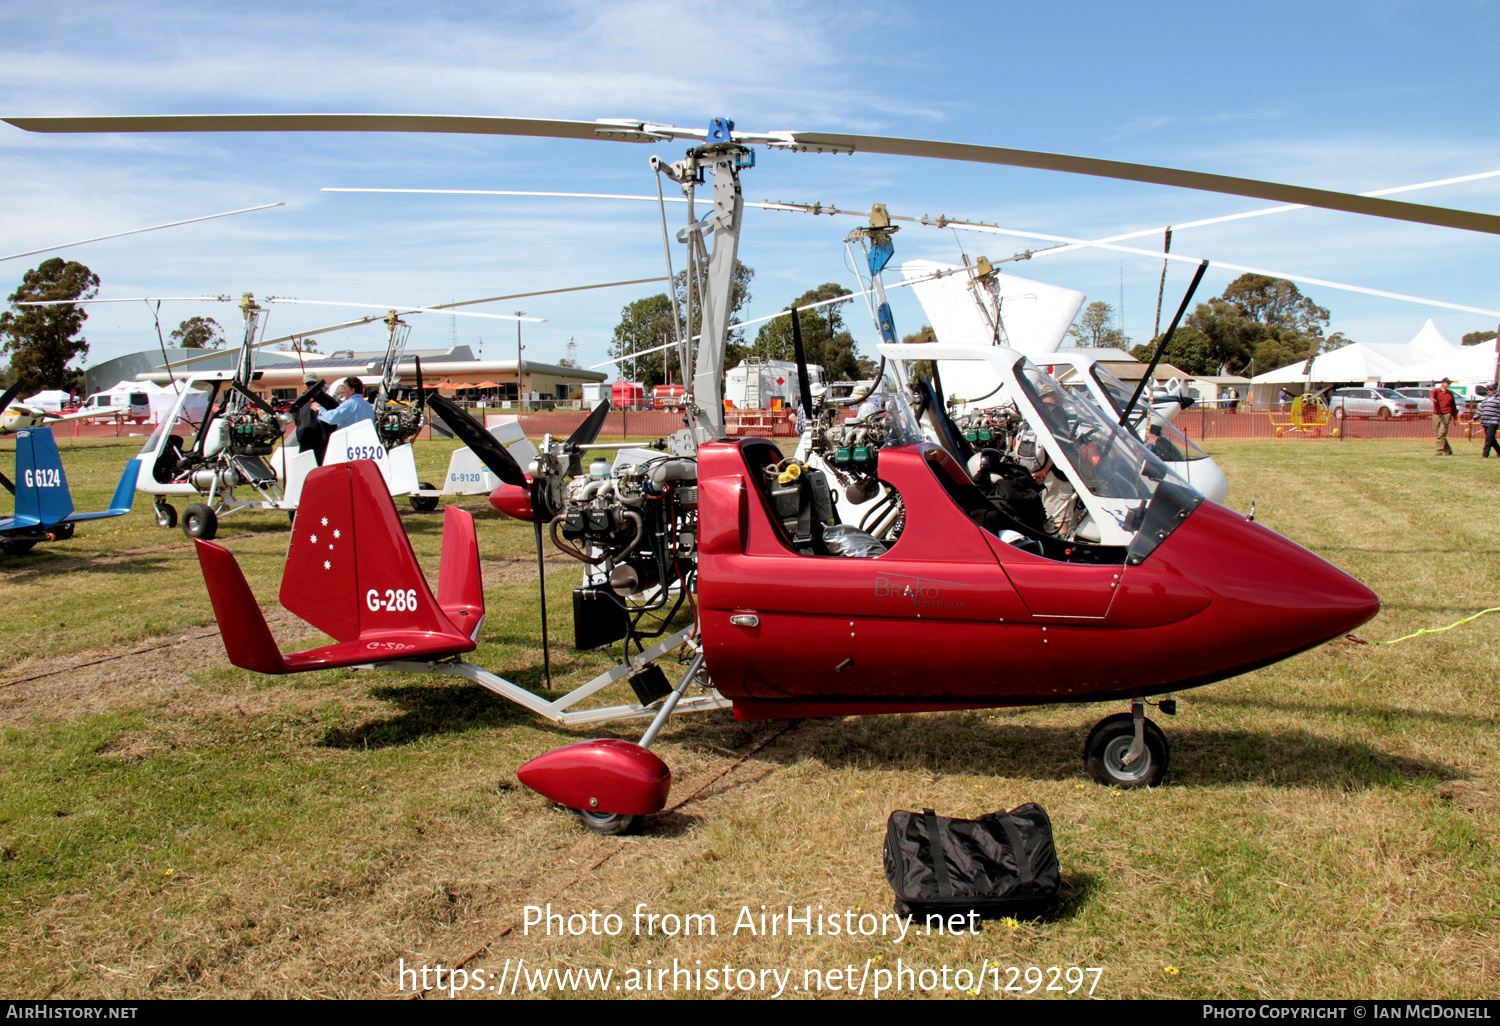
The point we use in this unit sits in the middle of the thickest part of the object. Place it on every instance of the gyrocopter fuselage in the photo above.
(961, 599)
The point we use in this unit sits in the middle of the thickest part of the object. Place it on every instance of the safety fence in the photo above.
(1206, 426)
(1202, 426)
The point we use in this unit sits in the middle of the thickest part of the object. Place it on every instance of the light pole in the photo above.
(520, 401)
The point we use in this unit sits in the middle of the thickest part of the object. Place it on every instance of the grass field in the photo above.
(171, 826)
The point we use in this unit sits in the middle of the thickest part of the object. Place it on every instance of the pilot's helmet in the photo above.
(984, 465)
(1029, 451)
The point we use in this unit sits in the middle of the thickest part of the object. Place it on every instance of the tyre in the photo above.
(1111, 738)
(16, 546)
(62, 532)
(425, 503)
(166, 515)
(199, 521)
(609, 823)
(1338, 411)
(1383, 414)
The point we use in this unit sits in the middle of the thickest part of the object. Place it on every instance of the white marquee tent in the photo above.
(1428, 357)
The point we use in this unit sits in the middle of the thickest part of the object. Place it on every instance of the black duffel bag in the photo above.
(1001, 864)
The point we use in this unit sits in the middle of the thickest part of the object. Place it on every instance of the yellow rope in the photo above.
(1429, 630)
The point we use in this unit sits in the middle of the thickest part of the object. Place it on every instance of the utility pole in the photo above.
(520, 392)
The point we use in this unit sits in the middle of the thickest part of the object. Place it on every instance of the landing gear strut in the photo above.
(1127, 750)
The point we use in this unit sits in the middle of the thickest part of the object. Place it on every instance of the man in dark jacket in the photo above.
(1489, 416)
(312, 434)
(1444, 409)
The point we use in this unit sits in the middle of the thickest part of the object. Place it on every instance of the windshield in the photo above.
(1170, 445)
(189, 415)
(1108, 461)
(1389, 393)
(1119, 394)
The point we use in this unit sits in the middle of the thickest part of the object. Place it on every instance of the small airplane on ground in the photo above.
(44, 505)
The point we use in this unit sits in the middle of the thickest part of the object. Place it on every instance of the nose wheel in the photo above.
(1127, 750)
(609, 823)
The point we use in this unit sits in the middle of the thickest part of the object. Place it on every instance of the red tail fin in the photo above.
(460, 590)
(355, 578)
(349, 576)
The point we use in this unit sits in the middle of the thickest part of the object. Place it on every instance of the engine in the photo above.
(251, 431)
(637, 529)
(398, 424)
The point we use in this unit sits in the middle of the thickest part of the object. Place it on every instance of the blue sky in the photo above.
(1352, 96)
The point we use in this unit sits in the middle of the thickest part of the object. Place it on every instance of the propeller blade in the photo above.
(1162, 345)
(801, 355)
(10, 394)
(590, 428)
(950, 437)
(472, 433)
(625, 130)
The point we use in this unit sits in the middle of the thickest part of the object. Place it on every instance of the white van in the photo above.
(133, 405)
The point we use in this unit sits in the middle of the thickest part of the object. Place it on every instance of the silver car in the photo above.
(1421, 396)
(1382, 403)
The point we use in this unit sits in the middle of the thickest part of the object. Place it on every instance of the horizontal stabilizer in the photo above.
(247, 639)
(123, 499)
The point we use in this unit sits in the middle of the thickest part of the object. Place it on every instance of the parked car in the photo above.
(135, 406)
(1382, 403)
(1421, 396)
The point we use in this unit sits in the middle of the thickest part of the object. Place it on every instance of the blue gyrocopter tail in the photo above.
(42, 496)
(124, 496)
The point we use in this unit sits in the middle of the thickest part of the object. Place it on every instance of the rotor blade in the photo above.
(626, 130)
(1223, 265)
(421, 395)
(402, 308)
(1224, 218)
(1125, 171)
(471, 433)
(590, 428)
(137, 231)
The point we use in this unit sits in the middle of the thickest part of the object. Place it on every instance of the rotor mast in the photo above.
(704, 367)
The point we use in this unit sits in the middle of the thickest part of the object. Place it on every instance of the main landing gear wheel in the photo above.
(16, 546)
(166, 515)
(200, 521)
(610, 823)
(425, 503)
(1104, 753)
